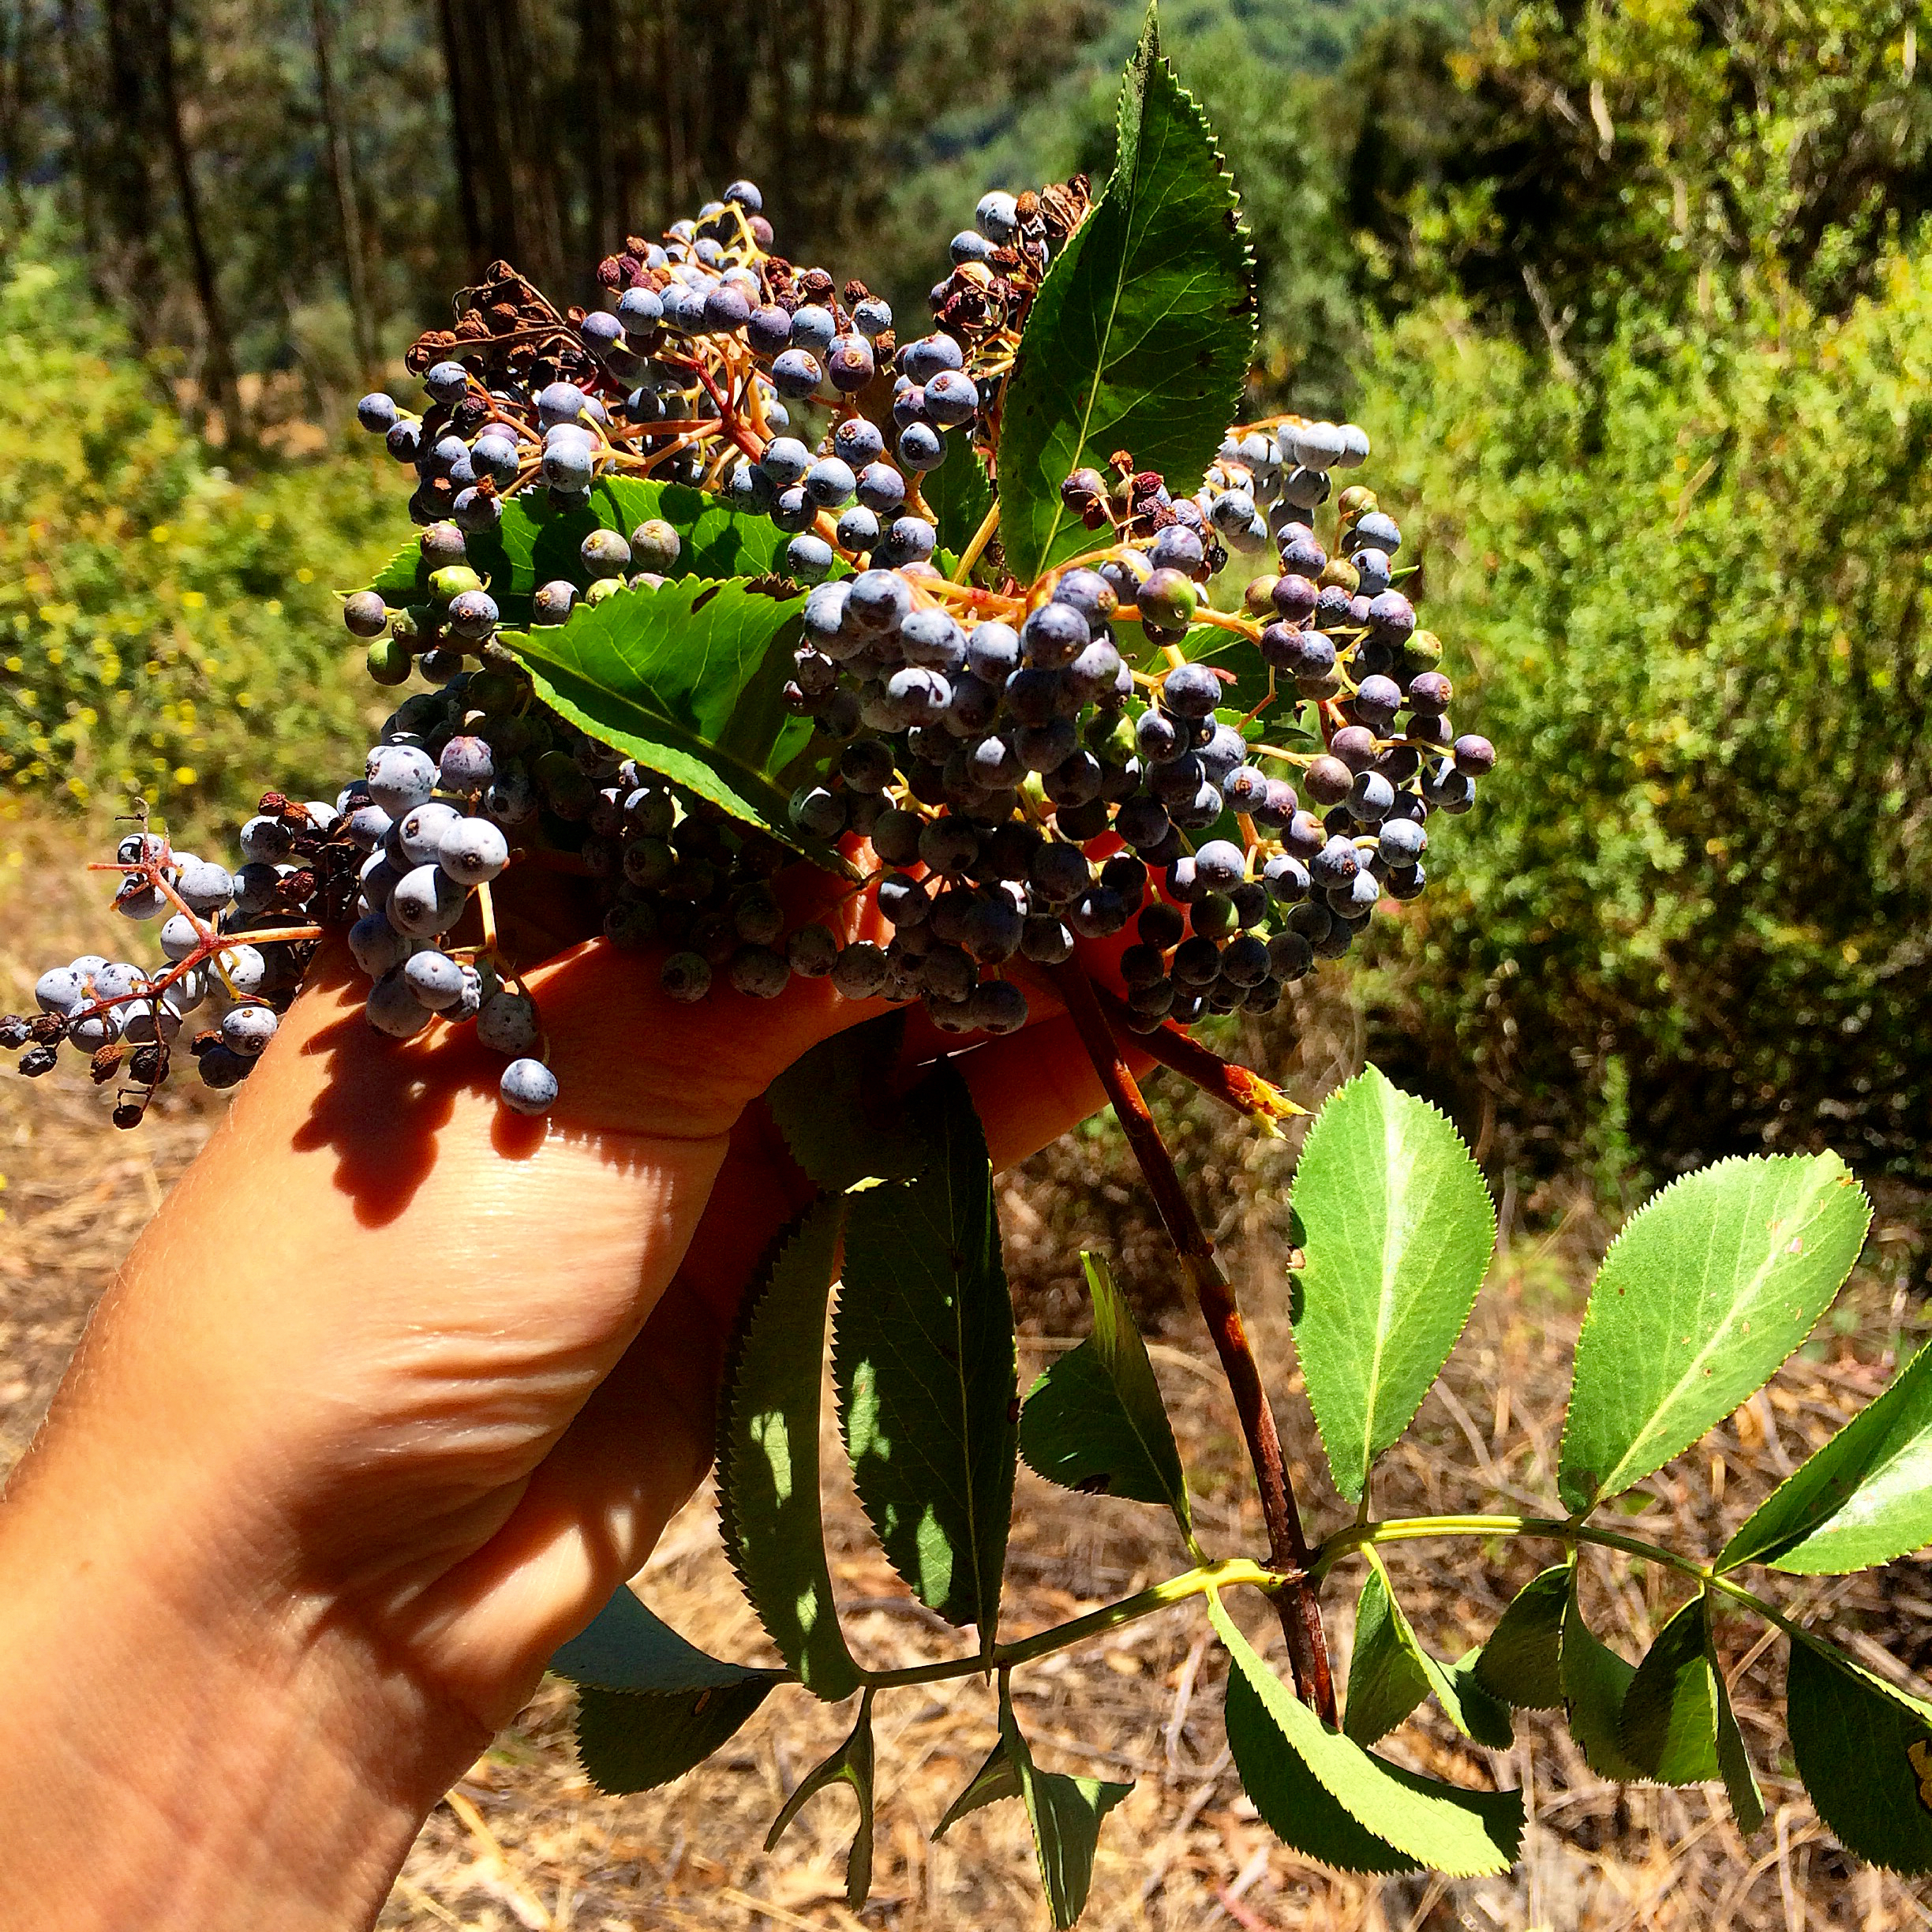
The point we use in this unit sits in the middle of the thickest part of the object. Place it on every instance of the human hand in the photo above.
(397, 1388)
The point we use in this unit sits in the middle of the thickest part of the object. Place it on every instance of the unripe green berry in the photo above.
(1169, 599)
(1423, 652)
(389, 660)
(452, 581)
(604, 587)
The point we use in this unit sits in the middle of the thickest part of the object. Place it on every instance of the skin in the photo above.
(393, 1394)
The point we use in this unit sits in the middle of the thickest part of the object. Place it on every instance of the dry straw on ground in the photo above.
(524, 1841)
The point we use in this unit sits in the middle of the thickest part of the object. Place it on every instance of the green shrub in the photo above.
(164, 629)
(1693, 585)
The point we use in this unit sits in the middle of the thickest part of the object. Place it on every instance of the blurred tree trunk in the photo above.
(462, 146)
(19, 63)
(127, 187)
(80, 86)
(670, 106)
(348, 201)
(508, 143)
(218, 365)
(597, 32)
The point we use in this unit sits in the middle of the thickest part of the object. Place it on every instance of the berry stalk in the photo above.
(1178, 1050)
(1288, 1545)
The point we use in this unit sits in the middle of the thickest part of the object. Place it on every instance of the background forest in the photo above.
(1636, 301)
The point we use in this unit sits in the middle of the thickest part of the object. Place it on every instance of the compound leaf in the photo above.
(1281, 1748)
(1864, 1499)
(1065, 1814)
(839, 1115)
(539, 542)
(1095, 1421)
(1140, 335)
(1399, 1230)
(1668, 1727)
(688, 679)
(1522, 1662)
(649, 1706)
(1713, 1283)
(767, 1455)
(850, 1764)
(1865, 1752)
(924, 1360)
(1595, 1681)
(1386, 1678)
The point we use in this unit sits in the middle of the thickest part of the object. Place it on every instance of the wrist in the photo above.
(191, 1731)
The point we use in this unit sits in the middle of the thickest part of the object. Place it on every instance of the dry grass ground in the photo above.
(525, 1841)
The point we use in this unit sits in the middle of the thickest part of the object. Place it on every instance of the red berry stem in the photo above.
(1288, 1547)
(1177, 1050)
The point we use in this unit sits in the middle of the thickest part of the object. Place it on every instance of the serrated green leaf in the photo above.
(688, 679)
(850, 1764)
(1864, 1499)
(1734, 1764)
(1398, 1230)
(924, 1360)
(1065, 1814)
(1713, 1283)
(1595, 1680)
(995, 1779)
(405, 579)
(649, 1706)
(768, 1453)
(1668, 1726)
(1386, 1679)
(1291, 1801)
(1482, 1718)
(1391, 1673)
(537, 542)
(959, 493)
(839, 1115)
(1865, 1752)
(1095, 1421)
(1140, 335)
(1417, 1821)
(1522, 1662)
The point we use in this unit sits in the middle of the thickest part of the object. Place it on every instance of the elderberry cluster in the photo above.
(1005, 771)
(233, 946)
(691, 375)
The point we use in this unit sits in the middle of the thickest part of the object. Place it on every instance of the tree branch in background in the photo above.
(218, 366)
(348, 204)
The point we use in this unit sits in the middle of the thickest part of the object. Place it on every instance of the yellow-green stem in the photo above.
(1230, 1576)
(1558, 1529)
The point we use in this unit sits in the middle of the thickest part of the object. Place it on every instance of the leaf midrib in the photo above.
(1100, 360)
(1806, 1207)
(1391, 1147)
(682, 735)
